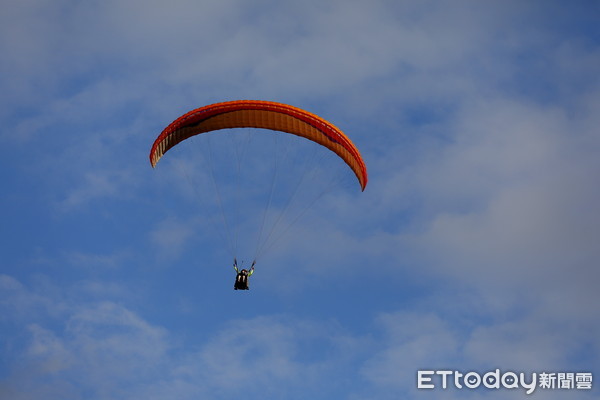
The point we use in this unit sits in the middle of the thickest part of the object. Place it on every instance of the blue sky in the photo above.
(474, 246)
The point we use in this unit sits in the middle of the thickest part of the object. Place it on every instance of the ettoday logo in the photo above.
(429, 379)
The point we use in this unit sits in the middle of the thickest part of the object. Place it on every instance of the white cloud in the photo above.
(411, 342)
(94, 186)
(103, 349)
(19, 302)
(98, 347)
(107, 350)
(96, 261)
(509, 203)
(48, 351)
(171, 236)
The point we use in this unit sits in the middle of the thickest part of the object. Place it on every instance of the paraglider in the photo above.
(241, 279)
(263, 115)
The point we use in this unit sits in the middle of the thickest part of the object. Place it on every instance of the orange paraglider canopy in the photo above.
(265, 115)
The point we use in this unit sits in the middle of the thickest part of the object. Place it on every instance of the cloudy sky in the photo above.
(473, 247)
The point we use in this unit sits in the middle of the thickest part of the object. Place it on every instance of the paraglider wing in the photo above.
(265, 115)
